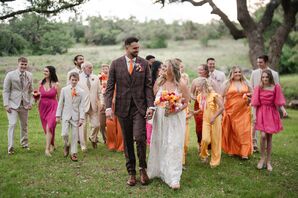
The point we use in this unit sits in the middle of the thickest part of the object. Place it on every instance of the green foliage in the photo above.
(157, 42)
(289, 56)
(289, 85)
(42, 35)
(11, 43)
(55, 42)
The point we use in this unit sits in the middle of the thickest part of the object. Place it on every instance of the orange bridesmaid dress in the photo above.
(236, 125)
(114, 133)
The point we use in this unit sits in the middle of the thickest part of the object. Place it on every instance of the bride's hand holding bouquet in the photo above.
(170, 101)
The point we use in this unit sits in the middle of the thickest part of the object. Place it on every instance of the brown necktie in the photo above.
(88, 82)
(130, 66)
(22, 80)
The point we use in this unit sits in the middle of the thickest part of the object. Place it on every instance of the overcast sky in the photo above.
(146, 10)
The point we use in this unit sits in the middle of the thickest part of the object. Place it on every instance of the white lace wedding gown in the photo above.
(166, 148)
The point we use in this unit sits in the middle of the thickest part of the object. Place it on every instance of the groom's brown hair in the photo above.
(130, 40)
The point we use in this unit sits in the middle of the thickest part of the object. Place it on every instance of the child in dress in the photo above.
(211, 105)
(266, 99)
(71, 109)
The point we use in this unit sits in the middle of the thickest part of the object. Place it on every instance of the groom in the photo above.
(130, 74)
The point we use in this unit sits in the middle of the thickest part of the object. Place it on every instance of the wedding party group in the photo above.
(149, 103)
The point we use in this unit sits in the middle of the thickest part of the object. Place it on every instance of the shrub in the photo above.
(157, 42)
(11, 43)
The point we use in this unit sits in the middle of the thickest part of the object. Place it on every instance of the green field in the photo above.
(101, 173)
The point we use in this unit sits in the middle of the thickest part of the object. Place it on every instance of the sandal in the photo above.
(74, 157)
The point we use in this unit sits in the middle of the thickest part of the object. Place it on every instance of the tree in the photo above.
(46, 7)
(253, 29)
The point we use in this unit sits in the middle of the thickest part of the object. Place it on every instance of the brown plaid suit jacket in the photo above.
(137, 86)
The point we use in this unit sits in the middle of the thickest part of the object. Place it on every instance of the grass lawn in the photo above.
(102, 173)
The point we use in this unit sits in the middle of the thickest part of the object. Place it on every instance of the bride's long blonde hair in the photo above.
(176, 73)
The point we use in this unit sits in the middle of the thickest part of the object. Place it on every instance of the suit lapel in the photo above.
(125, 70)
(134, 72)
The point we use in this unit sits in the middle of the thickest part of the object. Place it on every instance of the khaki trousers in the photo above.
(22, 114)
(92, 117)
(70, 125)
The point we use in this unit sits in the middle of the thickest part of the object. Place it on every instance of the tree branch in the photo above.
(196, 3)
(277, 41)
(243, 16)
(43, 10)
(236, 33)
(268, 15)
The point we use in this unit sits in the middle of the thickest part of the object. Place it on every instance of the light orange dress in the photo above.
(236, 125)
(211, 133)
(114, 133)
(186, 140)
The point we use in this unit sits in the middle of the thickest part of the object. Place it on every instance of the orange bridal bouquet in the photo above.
(170, 101)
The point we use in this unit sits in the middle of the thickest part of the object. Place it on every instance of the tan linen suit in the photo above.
(71, 110)
(133, 95)
(255, 77)
(218, 78)
(93, 100)
(17, 95)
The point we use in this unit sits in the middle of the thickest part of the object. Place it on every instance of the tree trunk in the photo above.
(256, 46)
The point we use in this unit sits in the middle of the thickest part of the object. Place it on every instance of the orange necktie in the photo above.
(130, 66)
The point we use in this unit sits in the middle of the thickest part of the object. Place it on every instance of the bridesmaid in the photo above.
(211, 104)
(236, 125)
(203, 72)
(267, 99)
(47, 107)
(155, 72)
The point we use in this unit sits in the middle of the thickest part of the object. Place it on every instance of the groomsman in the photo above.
(78, 61)
(70, 112)
(255, 79)
(90, 84)
(262, 62)
(218, 77)
(17, 100)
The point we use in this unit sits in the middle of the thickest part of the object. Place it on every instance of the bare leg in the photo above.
(269, 149)
(48, 142)
(263, 144)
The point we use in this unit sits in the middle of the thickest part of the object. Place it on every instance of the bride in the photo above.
(168, 128)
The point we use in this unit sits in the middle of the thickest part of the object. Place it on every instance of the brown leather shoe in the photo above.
(66, 151)
(144, 177)
(131, 180)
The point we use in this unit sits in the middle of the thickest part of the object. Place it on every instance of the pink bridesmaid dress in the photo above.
(266, 103)
(47, 109)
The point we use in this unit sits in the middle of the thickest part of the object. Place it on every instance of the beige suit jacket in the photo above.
(93, 97)
(255, 77)
(71, 107)
(13, 93)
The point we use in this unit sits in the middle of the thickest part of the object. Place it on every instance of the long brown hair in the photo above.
(271, 79)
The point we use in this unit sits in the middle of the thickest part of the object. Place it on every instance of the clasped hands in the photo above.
(148, 116)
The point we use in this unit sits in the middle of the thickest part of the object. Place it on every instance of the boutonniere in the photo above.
(74, 92)
(139, 67)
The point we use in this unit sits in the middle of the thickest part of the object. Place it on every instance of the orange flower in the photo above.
(73, 92)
